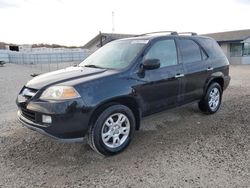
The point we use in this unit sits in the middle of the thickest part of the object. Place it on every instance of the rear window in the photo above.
(190, 51)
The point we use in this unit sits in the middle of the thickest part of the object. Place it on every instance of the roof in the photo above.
(228, 36)
(238, 35)
(106, 37)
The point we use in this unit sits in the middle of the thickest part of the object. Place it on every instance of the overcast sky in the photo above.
(75, 22)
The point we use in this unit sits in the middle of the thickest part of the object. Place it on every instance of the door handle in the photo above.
(210, 68)
(179, 75)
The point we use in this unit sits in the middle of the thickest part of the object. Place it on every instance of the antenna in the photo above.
(113, 21)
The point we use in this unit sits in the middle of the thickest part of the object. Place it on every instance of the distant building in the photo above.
(25, 48)
(102, 39)
(235, 44)
(3, 46)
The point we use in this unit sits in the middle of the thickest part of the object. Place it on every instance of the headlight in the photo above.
(59, 93)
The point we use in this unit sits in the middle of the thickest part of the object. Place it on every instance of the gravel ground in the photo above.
(177, 148)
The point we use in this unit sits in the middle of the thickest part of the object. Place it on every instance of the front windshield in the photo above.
(115, 55)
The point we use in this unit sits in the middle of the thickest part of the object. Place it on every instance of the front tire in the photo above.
(112, 131)
(211, 102)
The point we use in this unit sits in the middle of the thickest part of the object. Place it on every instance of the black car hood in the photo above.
(62, 75)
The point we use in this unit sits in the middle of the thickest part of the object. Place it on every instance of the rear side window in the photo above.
(165, 51)
(211, 47)
(190, 51)
(203, 54)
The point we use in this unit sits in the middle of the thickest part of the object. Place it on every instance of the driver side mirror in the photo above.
(150, 64)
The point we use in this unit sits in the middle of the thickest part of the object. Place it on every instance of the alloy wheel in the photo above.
(115, 130)
(214, 98)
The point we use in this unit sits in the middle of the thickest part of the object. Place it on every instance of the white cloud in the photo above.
(74, 22)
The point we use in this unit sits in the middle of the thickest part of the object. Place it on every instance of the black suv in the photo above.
(105, 96)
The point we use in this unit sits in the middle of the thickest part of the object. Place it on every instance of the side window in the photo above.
(190, 51)
(211, 47)
(203, 54)
(165, 51)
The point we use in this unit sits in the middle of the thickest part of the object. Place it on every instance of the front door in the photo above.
(163, 85)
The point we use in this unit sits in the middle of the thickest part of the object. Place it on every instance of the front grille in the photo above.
(28, 114)
(28, 93)
(23, 99)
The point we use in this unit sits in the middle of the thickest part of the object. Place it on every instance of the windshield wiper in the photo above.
(93, 66)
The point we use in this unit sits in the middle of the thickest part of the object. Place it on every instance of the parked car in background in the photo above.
(2, 63)
(105, 97)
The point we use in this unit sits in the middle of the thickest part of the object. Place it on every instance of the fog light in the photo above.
(47, 119)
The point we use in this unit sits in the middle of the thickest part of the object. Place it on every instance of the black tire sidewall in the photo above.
(99, 144)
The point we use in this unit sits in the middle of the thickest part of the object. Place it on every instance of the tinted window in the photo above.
(203, 54)
(211, 47)
(190, 51)
(165, 51)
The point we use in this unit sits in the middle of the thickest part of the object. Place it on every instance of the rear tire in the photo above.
(211, 102)
(112, 131)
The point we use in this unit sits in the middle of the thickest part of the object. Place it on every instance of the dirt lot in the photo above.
(177, 148)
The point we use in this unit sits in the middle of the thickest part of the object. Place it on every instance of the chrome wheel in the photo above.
(214, 99)
(115, 130)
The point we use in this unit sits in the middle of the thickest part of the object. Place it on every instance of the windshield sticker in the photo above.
(139, 42)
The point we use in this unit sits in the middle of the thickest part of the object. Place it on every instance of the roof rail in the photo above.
(171, 33)
(191, 33)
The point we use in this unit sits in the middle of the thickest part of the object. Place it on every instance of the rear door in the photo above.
(195, 63)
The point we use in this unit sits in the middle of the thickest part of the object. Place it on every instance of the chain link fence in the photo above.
(45, 61)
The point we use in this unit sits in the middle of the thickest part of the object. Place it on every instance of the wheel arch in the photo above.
(219, 79)
(127, 101)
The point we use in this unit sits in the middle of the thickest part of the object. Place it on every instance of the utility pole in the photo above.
(113, 21)
(100, 33)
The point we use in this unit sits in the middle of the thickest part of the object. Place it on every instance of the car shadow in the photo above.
(164, 133)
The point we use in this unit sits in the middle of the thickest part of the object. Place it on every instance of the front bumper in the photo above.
(35, 127)
(70, 119)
